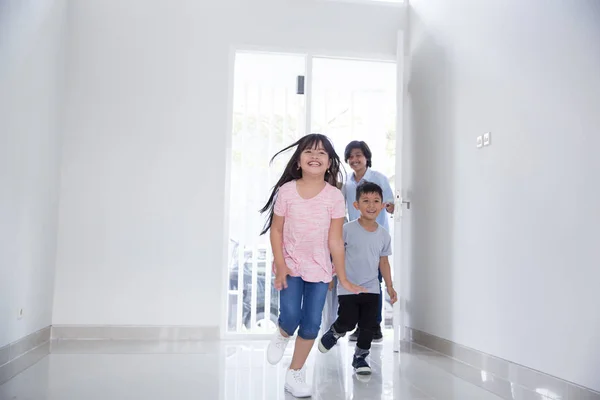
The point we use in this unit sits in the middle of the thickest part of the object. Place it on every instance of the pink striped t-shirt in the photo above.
(306, 230)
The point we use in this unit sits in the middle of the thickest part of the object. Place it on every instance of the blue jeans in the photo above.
(301, 305)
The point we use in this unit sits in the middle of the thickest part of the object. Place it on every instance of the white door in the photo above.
(400, 202)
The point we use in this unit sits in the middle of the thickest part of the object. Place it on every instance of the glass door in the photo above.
(268, 114)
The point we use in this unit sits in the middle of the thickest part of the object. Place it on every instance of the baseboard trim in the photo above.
(539, 383)
(23, 353)
(119, 332)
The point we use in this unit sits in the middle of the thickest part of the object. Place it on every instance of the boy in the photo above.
(368, 246)
(358, 156)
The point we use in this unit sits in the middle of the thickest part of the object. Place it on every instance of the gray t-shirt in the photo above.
(363, 251)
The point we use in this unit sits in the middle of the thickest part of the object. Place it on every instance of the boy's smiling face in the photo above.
(369, 205)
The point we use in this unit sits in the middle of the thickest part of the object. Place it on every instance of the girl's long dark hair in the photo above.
(333, 176)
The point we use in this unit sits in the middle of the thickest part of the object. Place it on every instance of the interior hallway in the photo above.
(113, 125)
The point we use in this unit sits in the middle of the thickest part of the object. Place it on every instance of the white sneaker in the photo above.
(295, 383)
(277, 347)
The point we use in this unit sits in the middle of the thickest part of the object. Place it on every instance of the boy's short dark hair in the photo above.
(362, 146)
(368, 187)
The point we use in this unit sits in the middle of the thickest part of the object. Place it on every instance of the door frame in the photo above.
(308, 56)
(400, 230)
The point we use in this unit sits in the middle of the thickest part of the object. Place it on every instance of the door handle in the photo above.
(398, 203)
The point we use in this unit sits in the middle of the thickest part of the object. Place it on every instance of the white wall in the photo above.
(31, 81)
(506, 242)
(143, 195)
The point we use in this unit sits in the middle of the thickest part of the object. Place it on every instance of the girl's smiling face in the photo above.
(314, 160)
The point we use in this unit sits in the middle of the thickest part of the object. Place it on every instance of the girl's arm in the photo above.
(336, 247)
(281, 269)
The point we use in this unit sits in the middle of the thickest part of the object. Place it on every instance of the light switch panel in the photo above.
(479, 142)
(487, 139)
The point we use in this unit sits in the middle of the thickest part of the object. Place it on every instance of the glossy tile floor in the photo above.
(115, 370)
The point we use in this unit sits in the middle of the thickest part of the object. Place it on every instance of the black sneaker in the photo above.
(328, 340)
(354, 336)
(378, 336)
(361, 367)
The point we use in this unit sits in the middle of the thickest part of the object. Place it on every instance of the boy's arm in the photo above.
(386, 272)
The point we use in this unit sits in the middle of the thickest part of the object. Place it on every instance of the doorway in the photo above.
(277, 98)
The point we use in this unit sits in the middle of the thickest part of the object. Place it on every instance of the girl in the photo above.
(306, 216)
